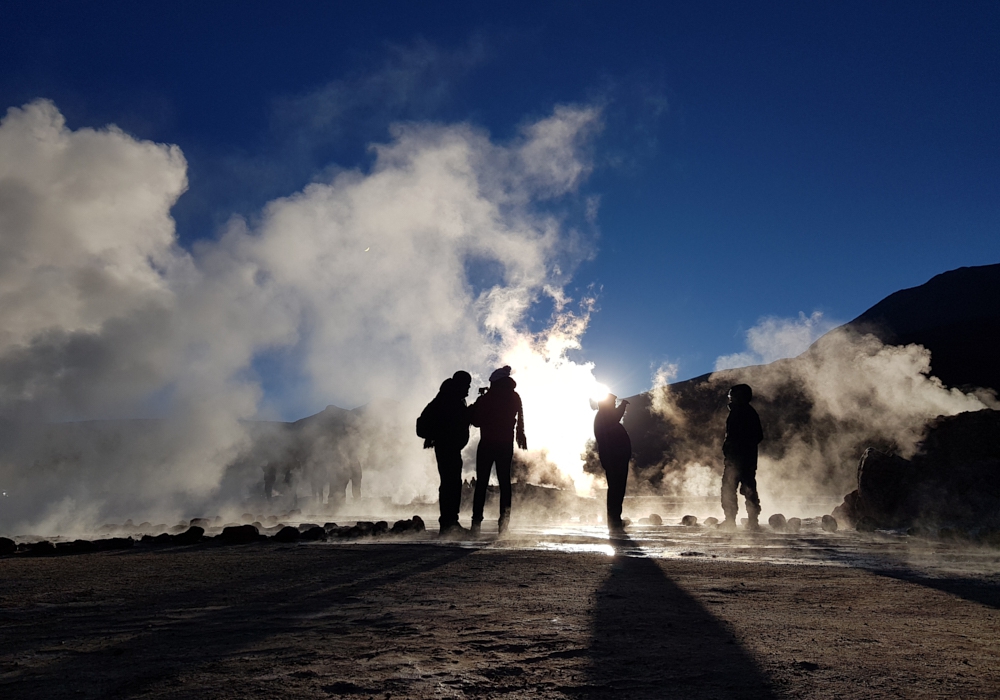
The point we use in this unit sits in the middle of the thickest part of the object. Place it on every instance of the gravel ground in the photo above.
(429, 619)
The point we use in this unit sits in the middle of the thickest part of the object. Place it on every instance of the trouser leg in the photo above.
(748, 488)
(617, 475)
(484, 464)
(449, 463)
(504, 457)
(730, 477)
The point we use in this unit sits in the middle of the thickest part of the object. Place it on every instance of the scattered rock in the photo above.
(163, 539)
(830, 523)
(200, 522)
(989, 537)
(247, 518)
(793, 525)
(415, 524)
(40, 549)
(865, 524)
(313, 534)
(75, 547)
(7, 546)
(953, 534)
(307, 526)
(287, 534)
(644, 521)
(692, 554)
(239, 534)
(689, 520)
(777, 522)
(329, 526)
(190, 536)
(113, 543)
(953, 480)
(271, 520)
(711, 522)
(655, 519)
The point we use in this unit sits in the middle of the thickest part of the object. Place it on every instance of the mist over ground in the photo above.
(130, 367)
(358, 286)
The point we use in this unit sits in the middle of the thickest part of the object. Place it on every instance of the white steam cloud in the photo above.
(819, 410)
(373, 284)
(776, 338)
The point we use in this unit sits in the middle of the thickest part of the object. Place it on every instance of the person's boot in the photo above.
(502, 523)
(752, 524)
(453, 531)
(474, 529)
(729, 524)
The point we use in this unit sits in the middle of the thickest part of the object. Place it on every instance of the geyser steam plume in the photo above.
(375, 283)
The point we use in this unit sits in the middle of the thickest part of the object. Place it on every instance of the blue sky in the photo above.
(755, 160)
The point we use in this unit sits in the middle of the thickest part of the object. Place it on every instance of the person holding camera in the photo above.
(499, 415)
(614, 447)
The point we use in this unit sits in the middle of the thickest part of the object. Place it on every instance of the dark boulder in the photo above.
(413, 525)
(655, 519)
(793, 525)
(113, 543)
(864, 524)
(689, 520)
(777, 522)
(711, 522)
(829, 523)
(313, 534)
(75, 547)
(7, 546)
(287, 534)
(190, 536)
(307, 526)
(850, 510)
(952, 481)
(160, 540)
(201, 522)
(40, 549)
(239, 534)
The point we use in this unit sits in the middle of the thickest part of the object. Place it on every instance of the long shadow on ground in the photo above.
(159, 633)
(653, 640)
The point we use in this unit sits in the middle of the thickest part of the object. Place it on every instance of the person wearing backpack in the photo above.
(444, 425)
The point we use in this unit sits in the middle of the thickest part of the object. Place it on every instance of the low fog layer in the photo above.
(820, 410)
(373, 284)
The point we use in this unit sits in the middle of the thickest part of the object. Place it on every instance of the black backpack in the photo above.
(428, 422)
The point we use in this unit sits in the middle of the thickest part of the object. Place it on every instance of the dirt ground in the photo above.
(432, 619)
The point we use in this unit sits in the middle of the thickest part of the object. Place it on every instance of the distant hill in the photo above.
(955, 315)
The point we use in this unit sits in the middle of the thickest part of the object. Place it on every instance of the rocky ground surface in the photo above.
(486, 619)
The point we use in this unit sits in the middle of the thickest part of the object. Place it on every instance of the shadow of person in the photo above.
(650, 638)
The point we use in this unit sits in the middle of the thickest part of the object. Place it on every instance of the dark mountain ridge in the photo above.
(955, 315)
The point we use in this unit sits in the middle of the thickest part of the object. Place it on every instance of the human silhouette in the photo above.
(446, 421)
(743, 434)
(615, 450)
(499, 415)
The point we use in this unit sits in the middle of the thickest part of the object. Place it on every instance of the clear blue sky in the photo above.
(756, 159)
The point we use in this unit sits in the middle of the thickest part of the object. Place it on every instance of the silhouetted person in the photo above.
(615, 450)
(498, 414)
(743, 434)
(446, 421)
